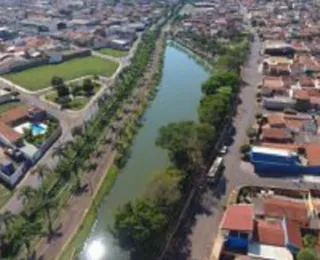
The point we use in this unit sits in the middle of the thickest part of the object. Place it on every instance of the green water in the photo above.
(177, 99)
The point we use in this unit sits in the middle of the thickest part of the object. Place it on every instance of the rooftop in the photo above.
(269, 232)
(292, 210)
(238, 217)
(312, 153)
(272, 151)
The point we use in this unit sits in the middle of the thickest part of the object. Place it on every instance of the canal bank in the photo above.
(178, 97)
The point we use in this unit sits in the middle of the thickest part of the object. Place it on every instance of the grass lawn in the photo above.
(76, 244)
(5, 194)
(40, 77)
(113, 52)
(6, 106)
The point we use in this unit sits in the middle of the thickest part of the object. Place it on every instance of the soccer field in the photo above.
(40, 77)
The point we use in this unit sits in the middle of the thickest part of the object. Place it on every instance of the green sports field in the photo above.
(40, 77)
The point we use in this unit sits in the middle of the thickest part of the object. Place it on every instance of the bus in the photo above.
(215, 169)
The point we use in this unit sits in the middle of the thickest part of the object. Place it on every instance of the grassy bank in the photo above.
(40, 77)
(78, 240)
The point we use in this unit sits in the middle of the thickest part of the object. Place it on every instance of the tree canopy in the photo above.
(307, 254)
(221, 79)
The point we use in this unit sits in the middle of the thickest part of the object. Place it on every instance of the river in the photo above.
(177, 99)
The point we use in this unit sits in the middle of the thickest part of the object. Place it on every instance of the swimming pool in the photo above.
(38, 129)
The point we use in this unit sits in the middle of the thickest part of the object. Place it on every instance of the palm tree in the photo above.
(48, 204)
(26, 193)
(6, 217)
(20, 233)
(61, 150)
(41, 170)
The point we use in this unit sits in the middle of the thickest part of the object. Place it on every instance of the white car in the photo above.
(224, 149)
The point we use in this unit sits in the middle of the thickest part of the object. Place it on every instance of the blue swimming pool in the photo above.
(38, 129)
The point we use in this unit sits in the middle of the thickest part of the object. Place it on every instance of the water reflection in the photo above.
(96, 250)
(103, 247)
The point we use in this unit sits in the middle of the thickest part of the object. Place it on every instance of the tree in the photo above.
(188, 143)
(221, 79)
(41, 170)
(57, 81)
(309, 241)
(62, 91)
(61, 149)
(6, 217)
(77, 130)
(139, 226)
(19, 234)
(88, 86)
(213, 109)
(60, 86)
(164, 188)
(307, 254)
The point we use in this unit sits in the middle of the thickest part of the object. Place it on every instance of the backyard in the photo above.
(38, 78)
(113, 52)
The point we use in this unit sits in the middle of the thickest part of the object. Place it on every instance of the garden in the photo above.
(38, 78)
(73, 96)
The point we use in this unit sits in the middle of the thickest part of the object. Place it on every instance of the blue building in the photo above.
(277, 160)
(267, 159)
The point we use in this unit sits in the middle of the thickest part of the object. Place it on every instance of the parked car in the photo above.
(223, 150)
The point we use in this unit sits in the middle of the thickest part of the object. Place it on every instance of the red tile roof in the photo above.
(294, 233)
(14, 114)
(306, 81)
(312, 153)
(301, 94)
(276, 119)
(292, 210)
(269, 232)
(272, 82)
(280, 134)
(8, 133)
(238, 217)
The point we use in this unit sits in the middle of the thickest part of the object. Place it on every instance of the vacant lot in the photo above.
(113, 52)
(40, 77)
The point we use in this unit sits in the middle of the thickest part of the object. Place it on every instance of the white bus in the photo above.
(214, 169)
